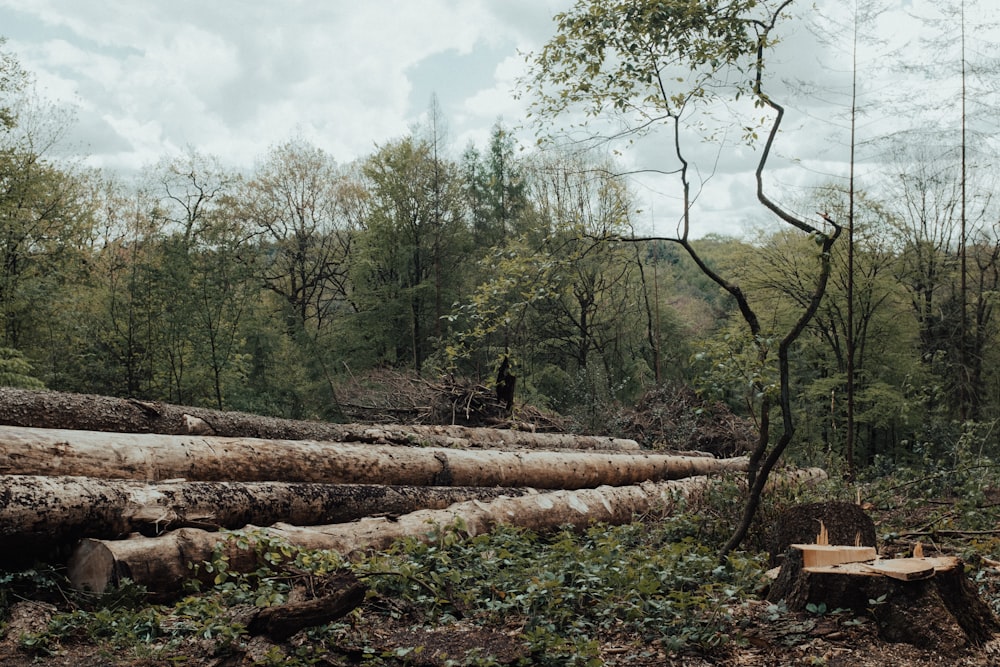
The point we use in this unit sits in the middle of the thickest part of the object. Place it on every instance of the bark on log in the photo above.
(476, 437)
(149, 457)
(282, 621)
(49, 409)
(161, 564)
(942, 613)
(38, 514)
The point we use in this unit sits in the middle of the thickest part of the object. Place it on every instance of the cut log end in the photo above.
(92, 567)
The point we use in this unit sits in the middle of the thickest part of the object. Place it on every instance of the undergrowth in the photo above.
(566, 589)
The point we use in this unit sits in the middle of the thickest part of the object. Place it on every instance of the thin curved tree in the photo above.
(657, 62)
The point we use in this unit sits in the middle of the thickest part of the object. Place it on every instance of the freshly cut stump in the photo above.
(926, 602)
(845, 523)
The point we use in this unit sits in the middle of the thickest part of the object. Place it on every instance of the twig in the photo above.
(950, 533)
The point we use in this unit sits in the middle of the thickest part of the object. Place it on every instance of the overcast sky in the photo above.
(231, 78)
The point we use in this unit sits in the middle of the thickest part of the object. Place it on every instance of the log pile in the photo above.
(141, 490)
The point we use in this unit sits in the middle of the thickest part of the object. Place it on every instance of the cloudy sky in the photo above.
(230, 78)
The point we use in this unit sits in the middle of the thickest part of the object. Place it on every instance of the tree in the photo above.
(44, 218)
(206, 286)
(964, 97)
(13, 80)
(496, 188)
(925, 203)
(414, 247)
(121, 323)
(863, 307)
(301, 207)
(626, 58)
(853, 32)
(295, 203)
(593, 306)
(571, 314)
(16, 371)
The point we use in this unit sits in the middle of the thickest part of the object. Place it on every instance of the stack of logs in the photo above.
(145, 505)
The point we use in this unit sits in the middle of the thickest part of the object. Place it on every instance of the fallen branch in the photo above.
(282, 621)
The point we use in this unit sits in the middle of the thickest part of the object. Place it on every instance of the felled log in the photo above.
(927, 602)
(39, 514)
(88, 412)
(477, 437)
(161, 564)
(151, 457)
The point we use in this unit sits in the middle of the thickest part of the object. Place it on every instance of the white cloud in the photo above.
(237, 77)
(233, 77)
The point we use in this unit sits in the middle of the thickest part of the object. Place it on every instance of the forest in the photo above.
(270, 290)
(851, 327)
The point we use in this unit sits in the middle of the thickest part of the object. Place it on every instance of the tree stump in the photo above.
(926, 602)
(845, 523)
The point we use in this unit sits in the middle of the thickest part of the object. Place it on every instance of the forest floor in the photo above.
(760, 639)
(800, 639)
(389, 632)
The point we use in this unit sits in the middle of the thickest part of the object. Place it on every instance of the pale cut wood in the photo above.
(40, 513)
(869, 569)
(911, 569)
(815, 555)
(161, 564)
(150, 457)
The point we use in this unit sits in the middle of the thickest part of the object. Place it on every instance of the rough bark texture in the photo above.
(282, 621)
(40, 514)
(943, 613)
(161, 564)
(845, 523)
(88, 412)
(30, 451)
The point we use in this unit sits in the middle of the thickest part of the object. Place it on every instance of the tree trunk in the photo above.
(161, 564)
(88, 412)
(941, 612)
(40, 514)
(26, 451)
